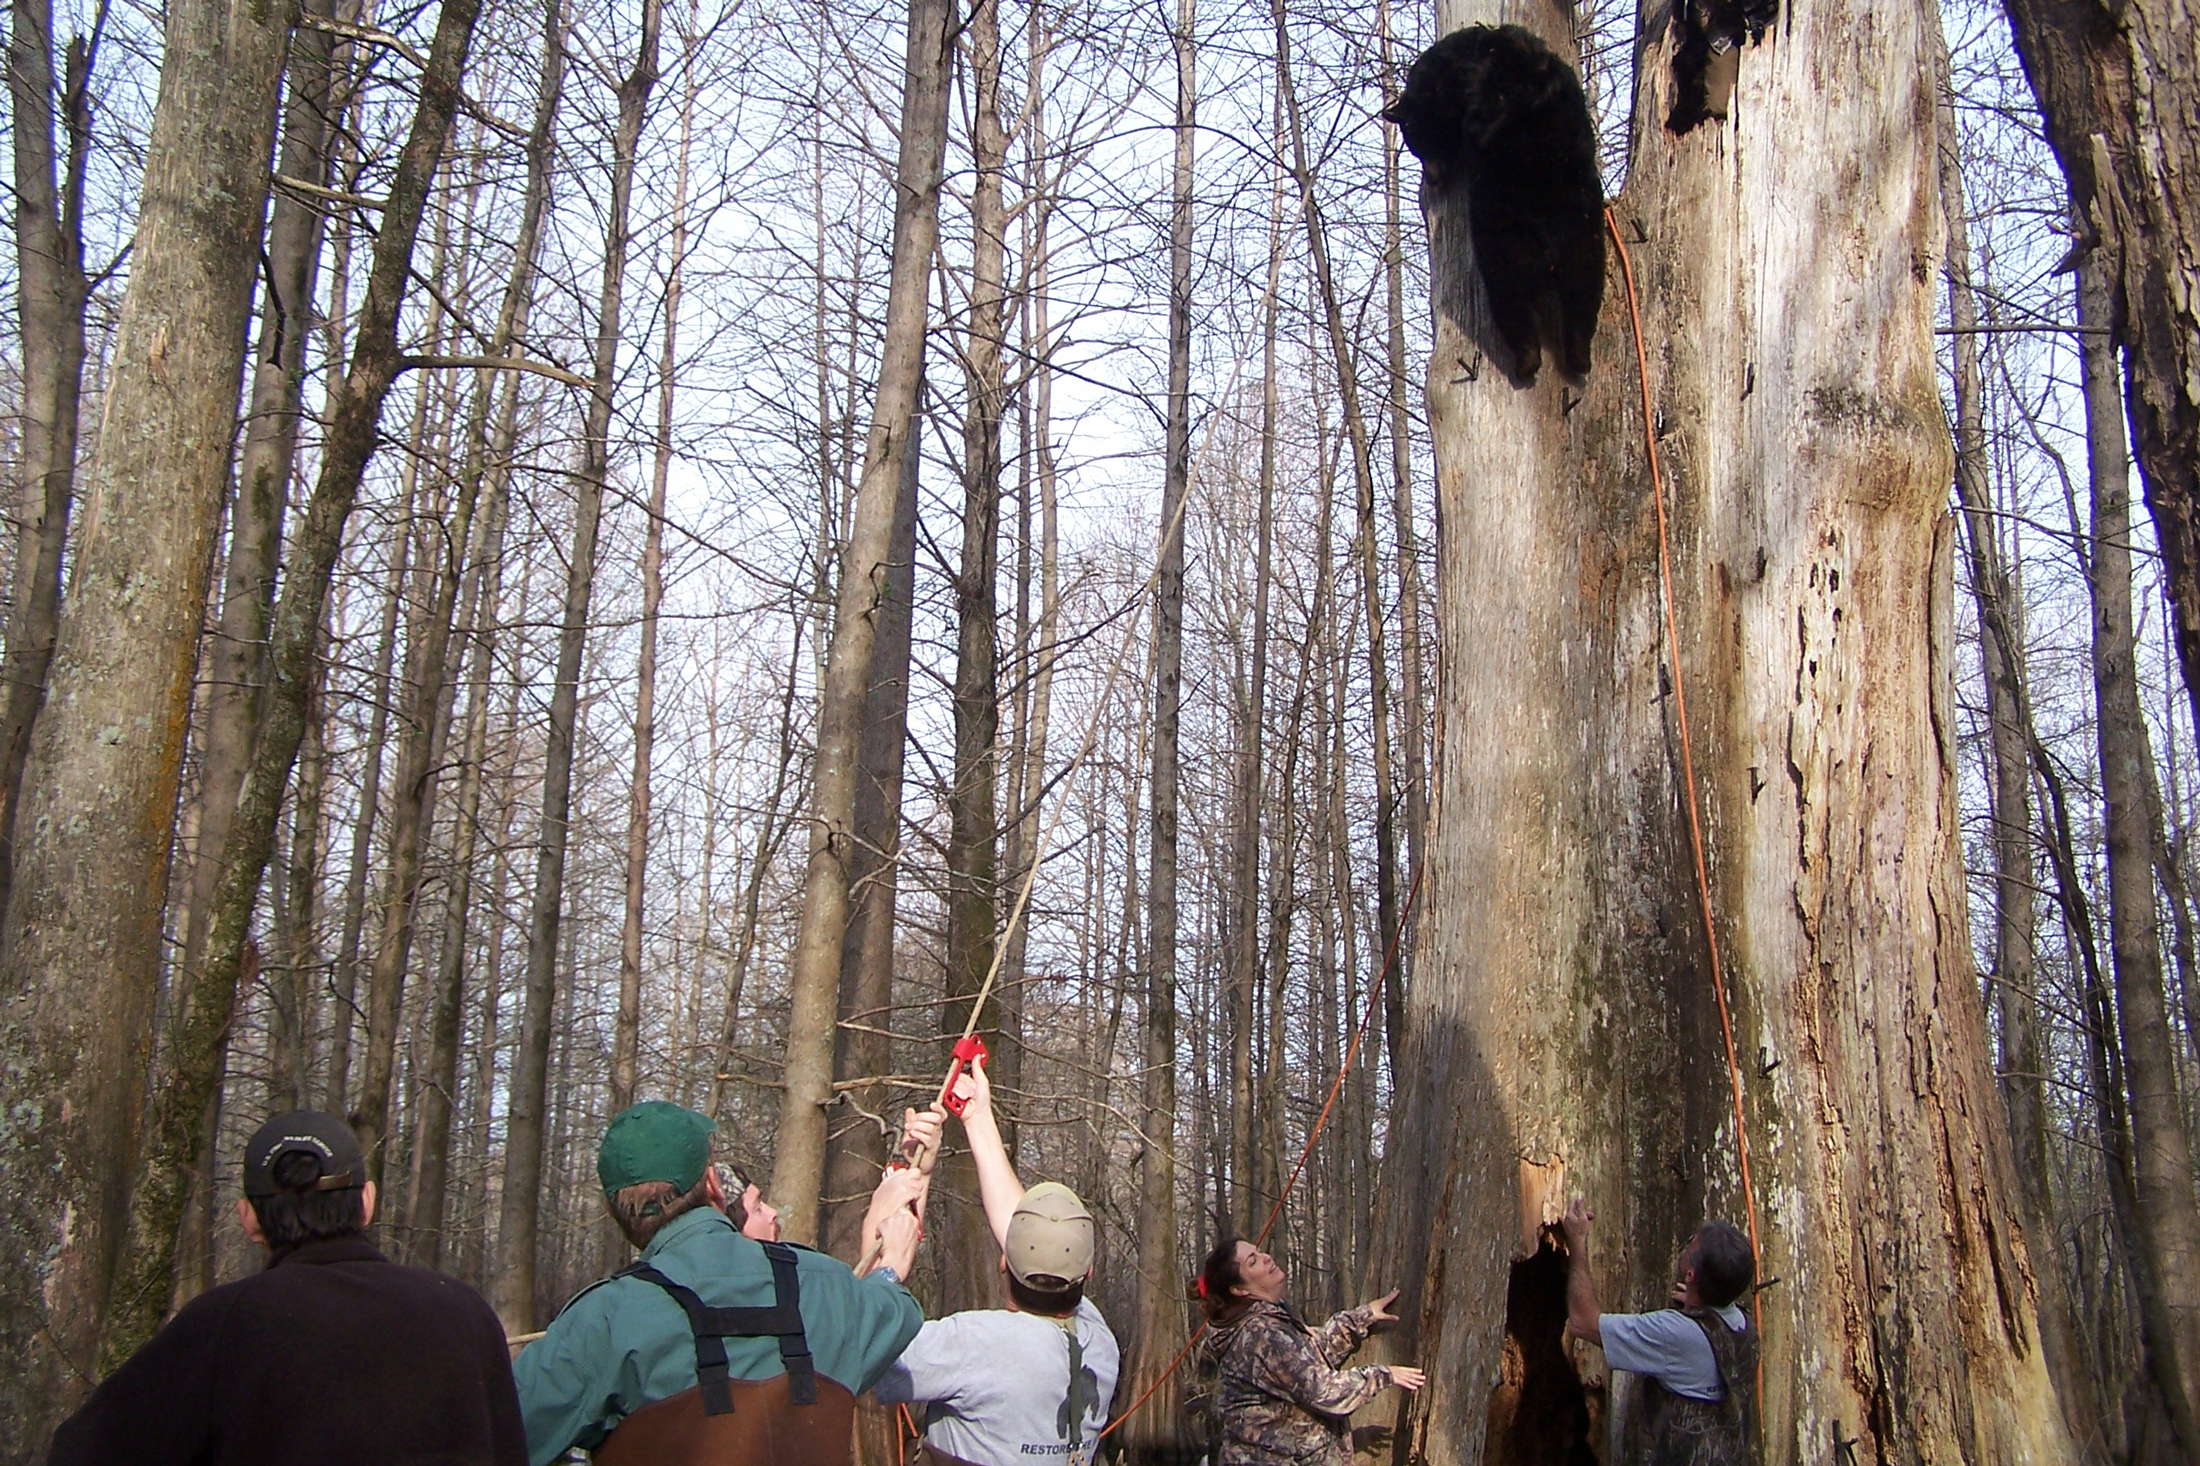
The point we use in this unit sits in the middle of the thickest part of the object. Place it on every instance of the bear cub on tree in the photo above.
(1707, 55)
(1492, 114)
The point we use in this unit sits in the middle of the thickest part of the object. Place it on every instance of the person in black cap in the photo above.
(331, 1356)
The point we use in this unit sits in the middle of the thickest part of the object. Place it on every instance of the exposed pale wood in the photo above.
(1561, 1009)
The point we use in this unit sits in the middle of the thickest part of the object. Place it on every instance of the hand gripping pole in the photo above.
(969, 1049)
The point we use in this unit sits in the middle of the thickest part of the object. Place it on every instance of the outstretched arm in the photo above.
(998, 1187)
(1582, 1314)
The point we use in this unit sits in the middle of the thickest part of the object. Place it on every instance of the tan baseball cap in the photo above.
(1050, 1238)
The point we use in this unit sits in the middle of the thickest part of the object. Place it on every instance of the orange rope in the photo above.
(1306, 1152)
(1688, 769)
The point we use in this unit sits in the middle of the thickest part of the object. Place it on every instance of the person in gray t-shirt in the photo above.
(1031, 1382)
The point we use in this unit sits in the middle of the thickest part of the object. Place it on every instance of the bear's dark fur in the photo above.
(1493, 115)
(1708, 36)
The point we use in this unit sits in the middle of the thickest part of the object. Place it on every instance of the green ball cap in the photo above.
(655, 1140)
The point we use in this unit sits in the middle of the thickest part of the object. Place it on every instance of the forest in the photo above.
(562, 552)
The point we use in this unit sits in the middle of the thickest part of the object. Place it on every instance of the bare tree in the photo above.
(80, 946)
(2114, 86)
(514, 1293)
(2166, 1244)
(191, 1060)
(51, 293)
(1158, 1311)
(798, 1167)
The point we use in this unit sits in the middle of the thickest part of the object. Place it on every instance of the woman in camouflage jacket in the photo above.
(1281, 1393)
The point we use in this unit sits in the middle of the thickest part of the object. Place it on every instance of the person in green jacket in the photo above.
(718, 1346)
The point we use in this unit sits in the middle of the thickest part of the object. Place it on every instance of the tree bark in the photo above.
(863, 1047)
(1562, 1034)
(191, 1066)
(299, 939)
(51, 292)
(798, 1169)
(966, 1252)
(626, 1039)
(1363, 483)
(235, 656)
(2167, 1206)
(2115, 86)
(520, 1210)
(80, 948)
(1159, 1309)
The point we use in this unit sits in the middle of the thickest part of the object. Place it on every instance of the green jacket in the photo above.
(623, 1343)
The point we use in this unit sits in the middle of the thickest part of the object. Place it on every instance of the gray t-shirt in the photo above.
(1669, 1346)
(997, 1388)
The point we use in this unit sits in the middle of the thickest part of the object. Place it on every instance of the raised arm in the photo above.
(998, 1187)
(1582, 1314)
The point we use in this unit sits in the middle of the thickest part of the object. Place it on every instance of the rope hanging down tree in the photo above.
(1688, 779)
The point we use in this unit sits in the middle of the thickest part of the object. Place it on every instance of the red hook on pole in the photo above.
(969, 1049)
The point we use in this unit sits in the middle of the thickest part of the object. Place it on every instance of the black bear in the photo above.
(1492, 114)
(1708, 36)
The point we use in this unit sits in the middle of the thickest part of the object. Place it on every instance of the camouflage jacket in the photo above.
(1280, 1393)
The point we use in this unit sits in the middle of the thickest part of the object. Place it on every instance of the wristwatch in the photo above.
(883, 1271)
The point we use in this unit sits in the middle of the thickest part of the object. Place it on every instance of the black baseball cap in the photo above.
(303, 1132)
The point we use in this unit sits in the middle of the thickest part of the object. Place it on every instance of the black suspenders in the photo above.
(713, 1326)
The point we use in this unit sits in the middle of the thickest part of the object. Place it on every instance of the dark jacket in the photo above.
(334, 1356)
(1280, 1391)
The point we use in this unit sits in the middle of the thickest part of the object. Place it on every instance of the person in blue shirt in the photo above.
(1697, 1358)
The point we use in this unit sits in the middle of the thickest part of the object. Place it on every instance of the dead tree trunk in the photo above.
(521, 1206)
(798, 1168)
(1563, 1034)
(51, 293)
(191, 1066)
(80, 946)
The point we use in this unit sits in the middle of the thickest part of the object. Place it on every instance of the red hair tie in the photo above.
(1200, 1286)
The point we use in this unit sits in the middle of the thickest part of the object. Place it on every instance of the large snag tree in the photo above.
(1563, 1035)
